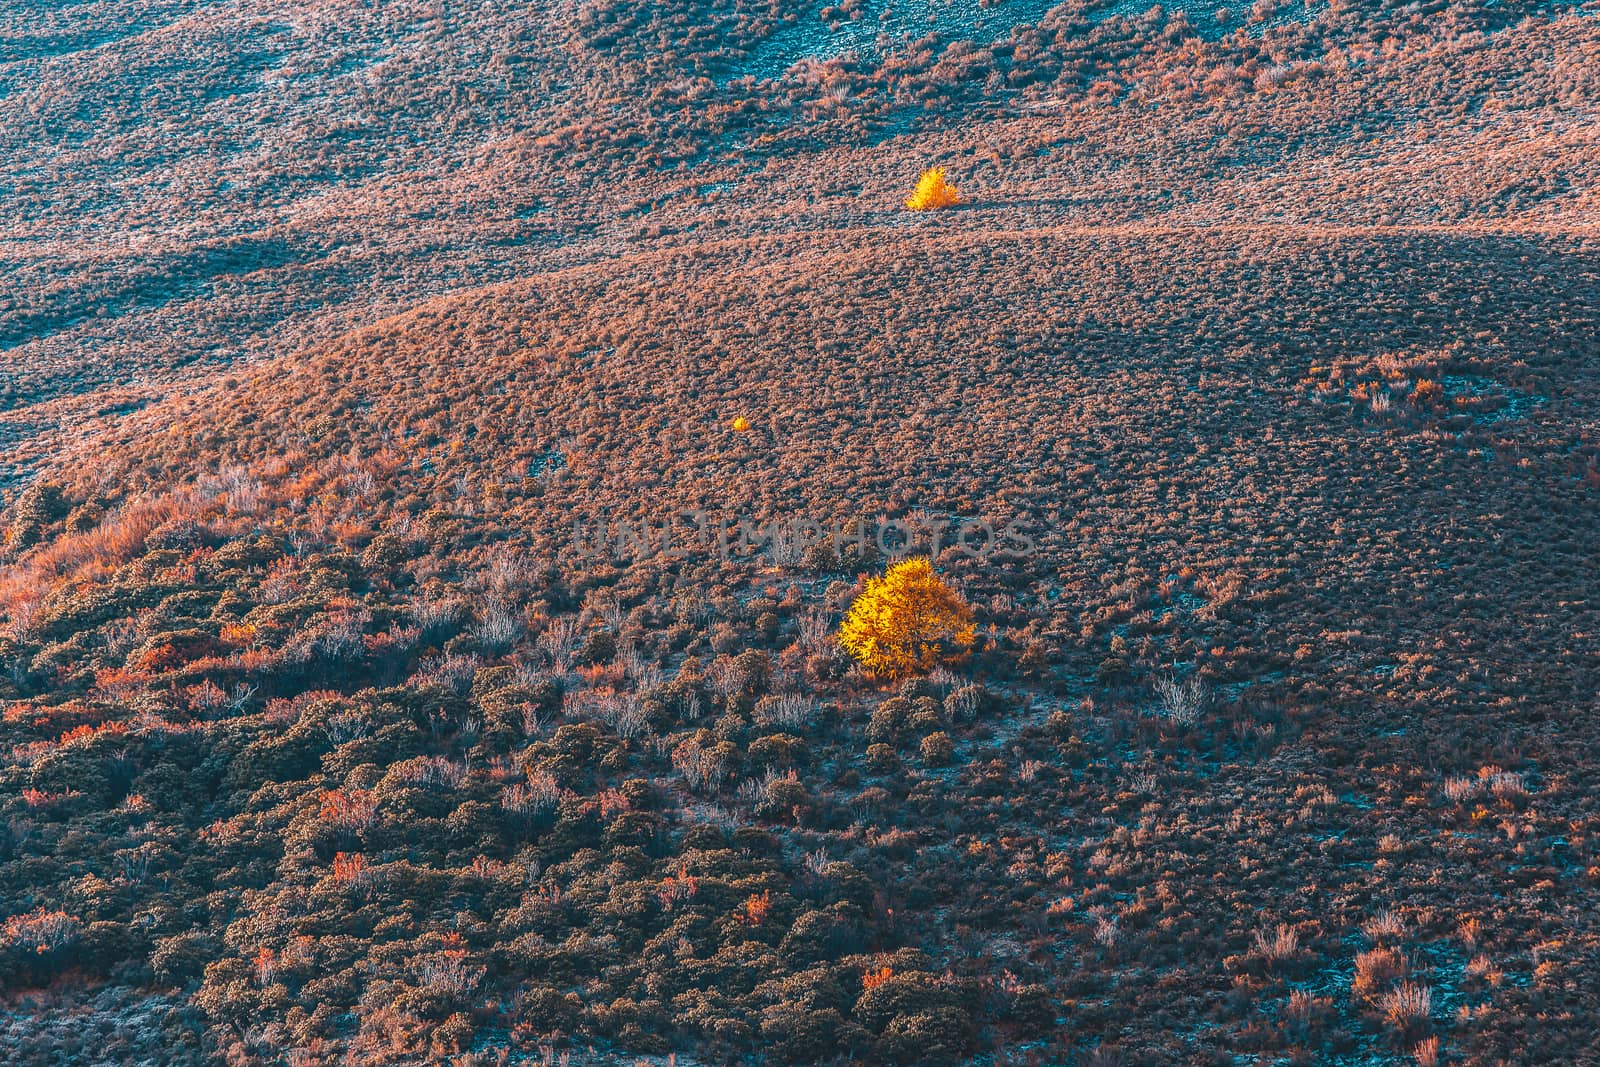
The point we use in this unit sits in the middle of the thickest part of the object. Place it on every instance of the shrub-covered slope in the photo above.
(441, 670)
(188, 185)
(321, 713)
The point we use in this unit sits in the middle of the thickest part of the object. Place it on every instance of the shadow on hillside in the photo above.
(1055, 203)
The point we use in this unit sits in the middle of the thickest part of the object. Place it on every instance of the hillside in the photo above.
(188, 185)
(409, 658)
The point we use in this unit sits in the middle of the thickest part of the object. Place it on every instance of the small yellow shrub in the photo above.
(740, 424)
(908, 620)
(932, 192)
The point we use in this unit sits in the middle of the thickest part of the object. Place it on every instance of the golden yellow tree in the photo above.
(908, 620)
(932, 192)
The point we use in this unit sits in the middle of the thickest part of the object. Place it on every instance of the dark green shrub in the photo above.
(925, 714)
(888, 718)
(882, 759)
(777, 750)
(599, 647)
(937, 749)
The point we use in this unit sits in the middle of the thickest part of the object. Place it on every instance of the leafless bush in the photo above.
(816, 861)
(1182, 702)
(41, 931)
(207, 697)
(645, 672)
(559, 641)
(450, 973)
(435, 614)
(752, 791)
(345, 726)
(792, 711)
(1507, 785)
(543, 790)
(575, 705)
(1274, 76)
(122, 635)
(453, 672)
(701, 768)
(528, 676)
(344, 637)
(508, 572)
(500, 627)
(238, 489)
(241, 696)
(724, 677)
(815, 632)
(133, 864)
(623, 712)
(538, 797)
(534, 722)
(964, 703)
(435, 771)
(22, 615)
(691, 608)
(786, 544)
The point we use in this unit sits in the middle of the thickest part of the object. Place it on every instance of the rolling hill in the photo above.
(410, 658)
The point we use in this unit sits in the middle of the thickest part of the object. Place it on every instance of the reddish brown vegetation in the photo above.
(1275, 737)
